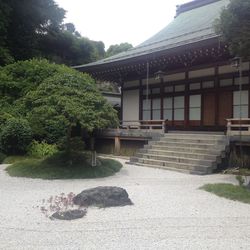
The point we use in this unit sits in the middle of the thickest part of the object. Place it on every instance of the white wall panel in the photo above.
(179, 102)
(244, 104)
(229, 69)
(201, 72)
(156, 103)
(131, 84)
(174, 77)
(131, 105)
(244, 97)
(167, 102)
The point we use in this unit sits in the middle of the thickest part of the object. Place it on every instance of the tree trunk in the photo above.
(68, 146)
(93, 152)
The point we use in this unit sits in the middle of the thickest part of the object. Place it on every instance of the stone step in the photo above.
(197, 149)
(177, 165)
(186, 144)
(173, 169)
(165, 158)
(192, 140)
(188, 153)
(191, 136)
(207, 156)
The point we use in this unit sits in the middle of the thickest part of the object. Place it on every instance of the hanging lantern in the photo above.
(159, 75)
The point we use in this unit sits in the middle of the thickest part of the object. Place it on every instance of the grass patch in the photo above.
(15, 158)
(229, 191)
(64, 166)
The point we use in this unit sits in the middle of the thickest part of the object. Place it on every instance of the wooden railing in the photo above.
(145, 125)
(238, 126)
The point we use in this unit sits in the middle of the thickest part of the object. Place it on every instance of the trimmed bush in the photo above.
(41, 149)
(15, 136)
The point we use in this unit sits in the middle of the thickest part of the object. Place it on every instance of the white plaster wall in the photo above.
(131, 84)
(130, 105)
(175, 77)
(201, 72)
(150, 81)
(229, 69)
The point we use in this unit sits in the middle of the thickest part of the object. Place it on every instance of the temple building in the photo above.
(183, 74)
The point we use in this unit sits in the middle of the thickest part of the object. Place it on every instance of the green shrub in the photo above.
(15, 136)
(41, 149)
(2, 157)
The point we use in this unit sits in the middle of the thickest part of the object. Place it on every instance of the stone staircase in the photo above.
(188, 153)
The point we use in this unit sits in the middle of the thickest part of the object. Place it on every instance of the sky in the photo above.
(118, 21)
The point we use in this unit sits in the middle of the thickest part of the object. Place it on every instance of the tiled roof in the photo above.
(194, 22)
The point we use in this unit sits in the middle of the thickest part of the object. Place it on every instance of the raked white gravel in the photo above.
(169, 212)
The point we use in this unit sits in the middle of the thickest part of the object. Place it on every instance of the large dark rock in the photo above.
(103, 197)
(69, 215)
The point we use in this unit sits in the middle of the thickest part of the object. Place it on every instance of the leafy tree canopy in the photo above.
(73, 97)
(118, 48)
(234, 27)
(53, 98)
(34, 28)
(21, 77)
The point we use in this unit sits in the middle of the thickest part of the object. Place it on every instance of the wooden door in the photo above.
(209, 107)
(225, 107)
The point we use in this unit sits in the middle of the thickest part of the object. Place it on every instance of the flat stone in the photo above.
(103, 197)
(69, 214)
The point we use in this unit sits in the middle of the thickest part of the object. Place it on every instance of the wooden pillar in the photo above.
(216, 86)
(186, 101)
(162, 97)
(122, 85)
(140, 99)
(117, 145)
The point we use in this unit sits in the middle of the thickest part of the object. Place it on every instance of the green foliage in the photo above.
(5, 56)
(53, 98)
(2, 157)
(21, 77)
(229, 191)
(64, 166)
(25, 22)
(35, 29)
(41, 149)
(77, 144)
(15, 136)
(69, 98)
(4, 117)
(234, 27)
(15, 158)
(67, 48)
(118, 48)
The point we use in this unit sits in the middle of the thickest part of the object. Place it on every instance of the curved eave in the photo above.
(151, 55)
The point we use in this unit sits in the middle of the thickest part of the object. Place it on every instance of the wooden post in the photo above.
(117, 145)
(229, 127)
(93, 152)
